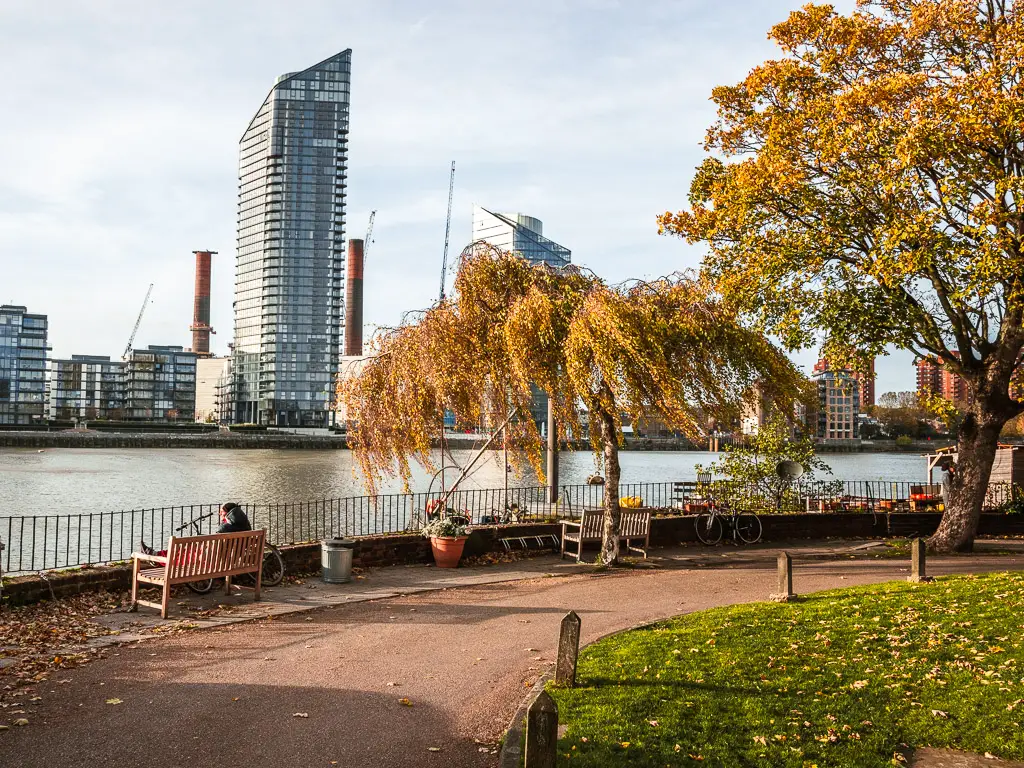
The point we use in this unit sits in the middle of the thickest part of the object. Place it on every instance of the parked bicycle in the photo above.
(273, 563)
(507, 516)
(711, 525)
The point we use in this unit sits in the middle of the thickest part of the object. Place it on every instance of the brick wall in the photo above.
(374, 551)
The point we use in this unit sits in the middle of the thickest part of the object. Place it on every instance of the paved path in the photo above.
(463, 657)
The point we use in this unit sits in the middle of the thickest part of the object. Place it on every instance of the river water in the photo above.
(83, 481)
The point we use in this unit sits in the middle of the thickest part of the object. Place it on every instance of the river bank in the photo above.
(312, 441)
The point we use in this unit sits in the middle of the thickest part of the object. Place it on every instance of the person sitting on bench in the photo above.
(232, 519)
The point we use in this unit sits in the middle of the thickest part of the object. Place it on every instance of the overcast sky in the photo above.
(119, 144)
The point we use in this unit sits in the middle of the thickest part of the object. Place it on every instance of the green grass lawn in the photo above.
(843, 678)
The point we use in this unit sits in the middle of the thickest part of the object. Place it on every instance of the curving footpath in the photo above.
(463, 659)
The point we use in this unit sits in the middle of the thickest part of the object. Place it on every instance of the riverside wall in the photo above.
(404, 549)
(285, 440)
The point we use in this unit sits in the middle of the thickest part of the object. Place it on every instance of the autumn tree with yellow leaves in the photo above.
(867, 188)
(666, 348)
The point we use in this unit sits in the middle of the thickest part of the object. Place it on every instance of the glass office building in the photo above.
(522, 235)
(22, 366)
(291, 249)
(518, 233)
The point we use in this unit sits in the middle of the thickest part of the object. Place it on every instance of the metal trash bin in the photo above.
(336, 560)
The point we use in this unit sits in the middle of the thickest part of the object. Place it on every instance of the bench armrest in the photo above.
(567, 523)
(153, 558)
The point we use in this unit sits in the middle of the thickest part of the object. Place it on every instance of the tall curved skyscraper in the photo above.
(290, 264)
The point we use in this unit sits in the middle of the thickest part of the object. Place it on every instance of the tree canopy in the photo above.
(666, 348)
(866, 187)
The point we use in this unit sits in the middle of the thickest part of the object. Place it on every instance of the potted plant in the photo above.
(447, 538)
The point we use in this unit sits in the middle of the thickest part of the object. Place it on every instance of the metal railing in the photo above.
(44, 542)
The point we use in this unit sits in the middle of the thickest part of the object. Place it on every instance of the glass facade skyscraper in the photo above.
(290, 264)
(23, 350)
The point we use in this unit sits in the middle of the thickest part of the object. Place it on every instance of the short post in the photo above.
(917, 561)
(568, 650)
(785, 585)
(542, 732)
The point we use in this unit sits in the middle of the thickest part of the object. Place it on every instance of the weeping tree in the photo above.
(604, 355)
(867, 187)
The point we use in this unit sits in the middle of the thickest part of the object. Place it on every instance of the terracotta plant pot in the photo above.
(447, 550)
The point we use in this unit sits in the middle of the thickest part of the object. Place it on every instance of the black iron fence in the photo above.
(43, 542)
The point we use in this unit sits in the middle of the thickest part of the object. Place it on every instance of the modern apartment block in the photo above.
(523, 235)
(839, 401)
(23, 347)
(160, 384)
(934, 377)
(86, 387)
(291, 249)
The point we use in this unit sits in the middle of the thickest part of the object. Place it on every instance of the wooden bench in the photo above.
(634, 526)
(198, 558)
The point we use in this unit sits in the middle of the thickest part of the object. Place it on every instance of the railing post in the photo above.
(568, 650)
(785, 585)
(542, 732)
(917, 561)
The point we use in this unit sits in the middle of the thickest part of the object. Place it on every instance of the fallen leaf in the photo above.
(21, 721)
(939, 713)
(301, 714)
(653, 723)
(405, 702)
(433, 749)
(114, 701)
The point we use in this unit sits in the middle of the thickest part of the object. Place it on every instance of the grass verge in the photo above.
(841, 678)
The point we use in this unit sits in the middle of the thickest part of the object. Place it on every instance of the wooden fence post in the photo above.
(568, 650)
(542, 732)
(917, 561)
(785, 585)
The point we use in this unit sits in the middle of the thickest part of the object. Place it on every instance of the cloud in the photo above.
(121, 156)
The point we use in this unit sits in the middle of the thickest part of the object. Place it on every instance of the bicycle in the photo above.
(746, 526)
(510, 515)
(273, 563)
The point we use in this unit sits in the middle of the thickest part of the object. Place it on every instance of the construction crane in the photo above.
(138, 321)
(447, 230)
(369, 234)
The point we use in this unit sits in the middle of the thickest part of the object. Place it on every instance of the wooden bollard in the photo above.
(542, 732)
(785, 586)
(918, 566)
(568, 650)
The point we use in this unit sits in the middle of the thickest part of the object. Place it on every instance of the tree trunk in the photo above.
(612, 512)
(976, 450)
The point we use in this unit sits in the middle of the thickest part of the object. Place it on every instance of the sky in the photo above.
(119, 147)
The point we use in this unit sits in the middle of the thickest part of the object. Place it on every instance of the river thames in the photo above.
(83, 481)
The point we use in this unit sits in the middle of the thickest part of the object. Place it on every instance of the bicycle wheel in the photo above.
(200, 587)
(273, 568)
(748, 528)
(709, 528)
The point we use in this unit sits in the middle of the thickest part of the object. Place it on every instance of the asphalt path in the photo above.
(327, 687)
